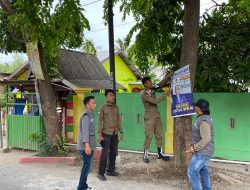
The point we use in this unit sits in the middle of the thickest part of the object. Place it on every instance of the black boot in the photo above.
(145, 156)
(161, 155)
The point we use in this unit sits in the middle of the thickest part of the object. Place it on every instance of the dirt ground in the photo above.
(134, 175)
(223, 176)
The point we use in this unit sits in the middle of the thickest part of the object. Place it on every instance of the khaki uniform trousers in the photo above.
(153, 126)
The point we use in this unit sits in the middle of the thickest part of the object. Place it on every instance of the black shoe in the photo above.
(113, 173)
(101, 177)
(162, 156)
(146, 160)
(90, 188)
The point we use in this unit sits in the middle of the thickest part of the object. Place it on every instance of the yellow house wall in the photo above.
(123, 73)
(23, 75)
(78, 109)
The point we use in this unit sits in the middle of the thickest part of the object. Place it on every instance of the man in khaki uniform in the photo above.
(109, 124)
(152, 119)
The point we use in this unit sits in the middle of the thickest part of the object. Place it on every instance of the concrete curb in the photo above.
(32, 159)
(5, 149)
(67, 160)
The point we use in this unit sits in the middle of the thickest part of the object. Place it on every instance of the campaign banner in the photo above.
(181, 93)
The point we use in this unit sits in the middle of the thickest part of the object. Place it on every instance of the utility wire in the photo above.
(123, 24)
(91, 3)
(211, 2)
(206, 3)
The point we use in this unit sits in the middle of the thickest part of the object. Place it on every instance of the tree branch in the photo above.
(208, 10)
(217, 3)
(6, 6)
(13, 37)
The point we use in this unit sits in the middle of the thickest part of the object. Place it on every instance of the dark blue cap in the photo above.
(203, 105)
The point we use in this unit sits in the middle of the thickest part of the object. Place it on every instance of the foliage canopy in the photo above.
(56, 26)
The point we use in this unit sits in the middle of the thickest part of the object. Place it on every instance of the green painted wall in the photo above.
(123, 73)
(233, 144)
(130, 105)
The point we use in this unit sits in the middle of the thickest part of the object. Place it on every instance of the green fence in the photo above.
(231, 114)
(19, 129)
(132, 114)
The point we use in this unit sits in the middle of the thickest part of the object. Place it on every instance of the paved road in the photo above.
(14, 176)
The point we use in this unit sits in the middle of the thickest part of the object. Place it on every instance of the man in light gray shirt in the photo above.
(86, 143)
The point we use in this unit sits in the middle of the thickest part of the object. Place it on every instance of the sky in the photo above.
(99, 32)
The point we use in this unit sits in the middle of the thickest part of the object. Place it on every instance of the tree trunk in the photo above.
(182, 139)
(189, 56)
(47, 94)
(48, 101)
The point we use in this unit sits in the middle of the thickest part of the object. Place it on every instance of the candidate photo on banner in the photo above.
(181, 93)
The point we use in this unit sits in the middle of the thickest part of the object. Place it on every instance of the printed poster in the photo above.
(182, 99)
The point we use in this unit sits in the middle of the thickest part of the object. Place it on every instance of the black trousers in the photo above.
(109, 152)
